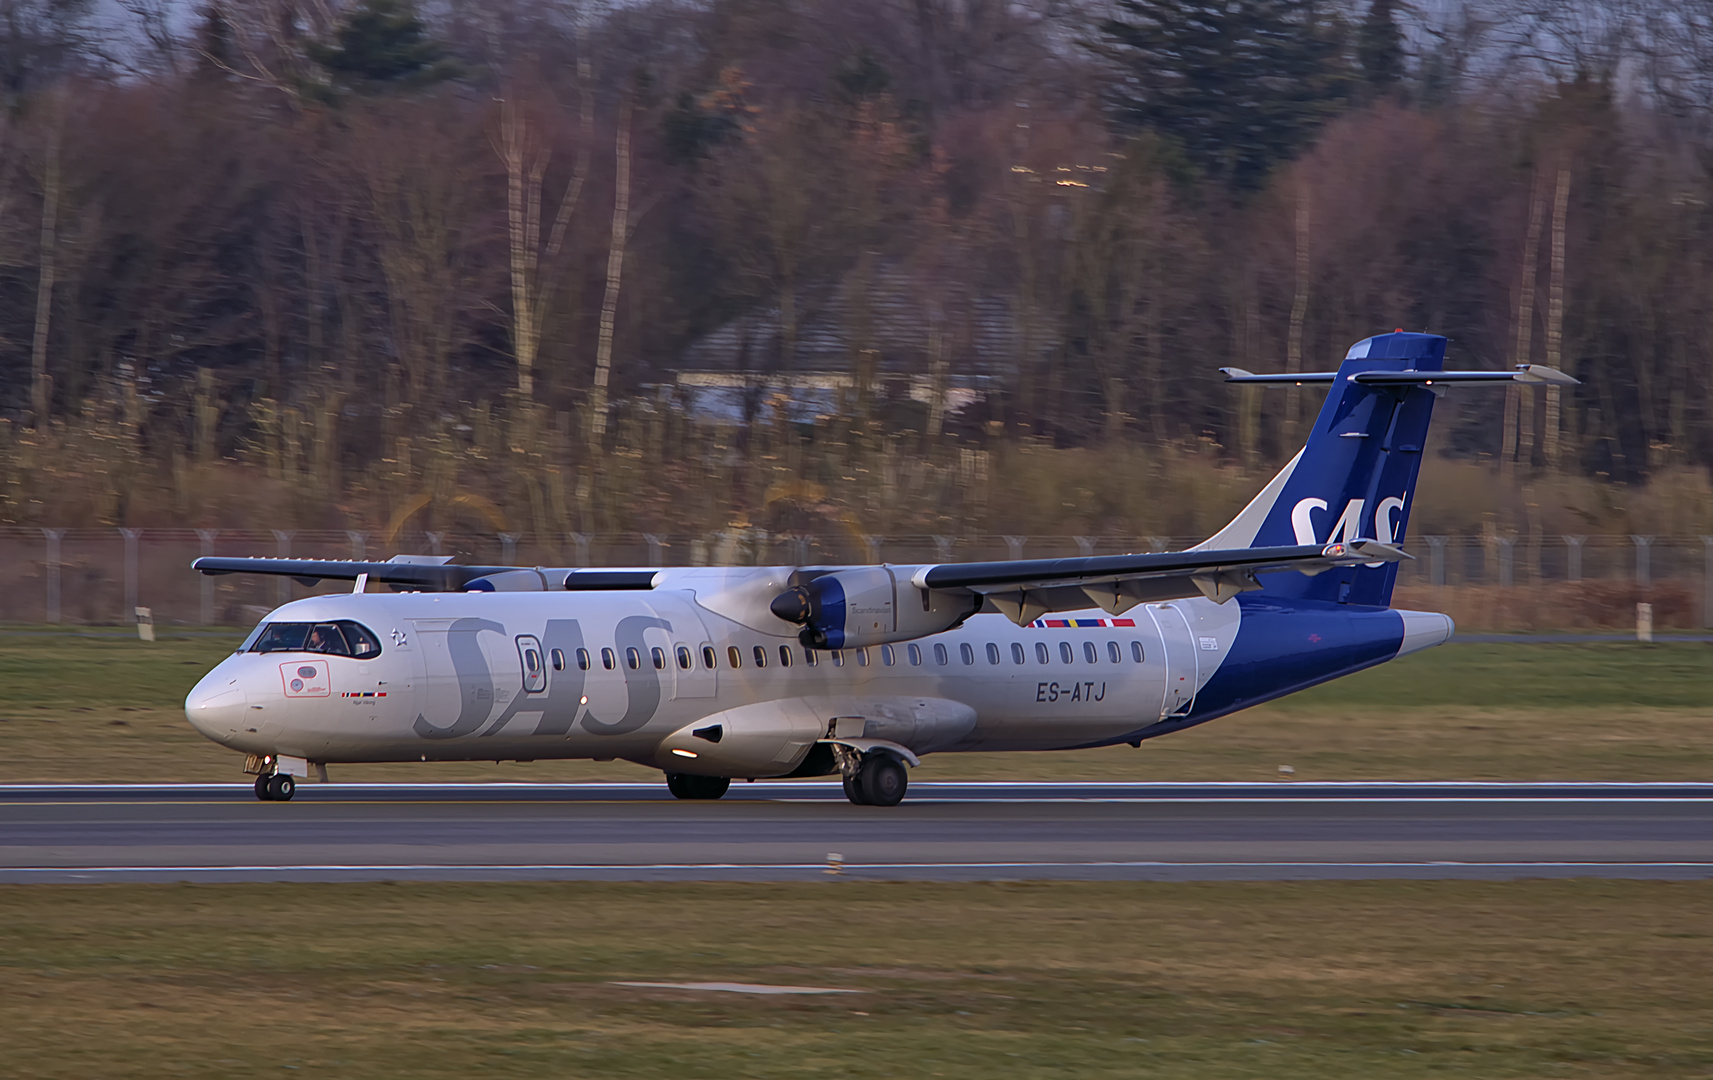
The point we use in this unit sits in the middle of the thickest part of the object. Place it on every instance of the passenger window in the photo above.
(583, 659)
(809, 657)
(683, 658)
(862, 657)
(940, 655)
(734, 656)
(1066, 654)
(1090, 653)
(838, 658)
(992, 653)
(967, 651)
(557, 658)
(887, 656)
(710, 658)
(1041, 656)
(785, 656)
(915, 655)
(609, 659)
(760, 656)
(1017, 653)
(1136, 651)
(658, 655)
(1112, 652)
(633, 658)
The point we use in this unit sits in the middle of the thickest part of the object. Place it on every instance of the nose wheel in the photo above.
(278, 787)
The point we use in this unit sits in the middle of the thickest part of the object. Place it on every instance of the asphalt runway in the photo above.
(772, 831)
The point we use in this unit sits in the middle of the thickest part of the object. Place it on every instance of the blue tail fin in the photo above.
(1355, 478)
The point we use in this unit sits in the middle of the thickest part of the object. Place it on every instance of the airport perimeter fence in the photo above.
(100, 576)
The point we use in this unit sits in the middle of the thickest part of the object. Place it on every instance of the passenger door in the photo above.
(1178, 650)
(534, 664)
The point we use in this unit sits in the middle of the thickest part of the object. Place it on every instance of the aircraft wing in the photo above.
(1024, 590)
(422, 573)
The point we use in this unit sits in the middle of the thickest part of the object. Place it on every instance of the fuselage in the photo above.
(629, 674)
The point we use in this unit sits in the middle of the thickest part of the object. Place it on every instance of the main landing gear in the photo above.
(275, 787)
(878, 780)
(690, 786)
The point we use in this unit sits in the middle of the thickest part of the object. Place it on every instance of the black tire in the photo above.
(883, 780)
(853, 790)
(690, 786)
(281, 787)
(262, 789)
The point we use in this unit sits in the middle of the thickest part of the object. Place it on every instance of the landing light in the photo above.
(684, 753)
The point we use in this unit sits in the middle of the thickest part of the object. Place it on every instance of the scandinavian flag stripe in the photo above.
(1048, 624)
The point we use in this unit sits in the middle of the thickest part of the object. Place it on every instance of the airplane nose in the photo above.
(216, 707)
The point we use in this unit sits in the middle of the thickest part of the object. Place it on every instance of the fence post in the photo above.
(1085, 546)
(1707, 582)
(1014, 544)
(1573, 557)
(508, 548)
(359, 544)
(132, 536)
(206, 610)
(654, 546)
(282, 549)
(581, 542)
(1644, 567)
(1157, 544)
(1507, 551)
(434, 540)
(52, 566)
(1436, 572)
(943, 548)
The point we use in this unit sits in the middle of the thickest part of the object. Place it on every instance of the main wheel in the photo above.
(262, 789)
(281, 787)
(690, 786)
(883, 780)
(853, 790)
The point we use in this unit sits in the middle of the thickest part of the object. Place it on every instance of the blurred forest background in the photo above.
(937, 267)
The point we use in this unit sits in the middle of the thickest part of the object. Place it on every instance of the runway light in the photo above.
(684, 753)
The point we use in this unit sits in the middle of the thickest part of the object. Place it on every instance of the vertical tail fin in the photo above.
(1354, 478)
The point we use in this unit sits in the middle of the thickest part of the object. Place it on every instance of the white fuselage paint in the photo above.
(455, 685)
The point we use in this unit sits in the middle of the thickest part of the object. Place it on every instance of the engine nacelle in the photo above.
(510, 581)
(870, 605)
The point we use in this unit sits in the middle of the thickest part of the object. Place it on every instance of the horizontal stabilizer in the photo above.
(1537, 374)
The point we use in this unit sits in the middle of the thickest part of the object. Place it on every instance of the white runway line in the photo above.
(738, 988)
(252, 868)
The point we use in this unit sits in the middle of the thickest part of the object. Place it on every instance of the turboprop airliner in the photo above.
(712, 674)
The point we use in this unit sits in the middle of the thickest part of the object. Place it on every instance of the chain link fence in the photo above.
(101, 576)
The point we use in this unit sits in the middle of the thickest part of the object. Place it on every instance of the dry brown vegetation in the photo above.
(1326, 980)
(261, 277)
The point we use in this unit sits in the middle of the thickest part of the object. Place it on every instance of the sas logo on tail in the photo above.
(1348, 527)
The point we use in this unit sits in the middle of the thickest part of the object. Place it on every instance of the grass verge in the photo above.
(1324, 980)
(106, 707)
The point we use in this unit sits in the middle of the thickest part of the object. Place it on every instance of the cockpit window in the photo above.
(340, 638)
